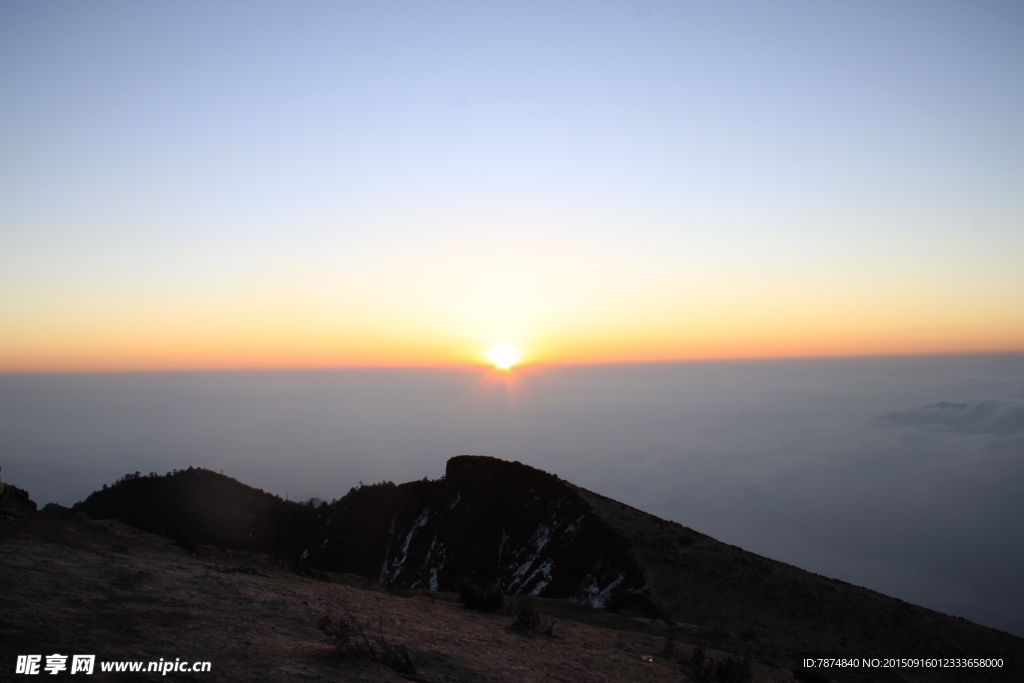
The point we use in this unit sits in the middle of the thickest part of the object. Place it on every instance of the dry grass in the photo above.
(529, 620)
(352, 639)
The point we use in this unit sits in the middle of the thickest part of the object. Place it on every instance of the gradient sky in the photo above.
(300, 184)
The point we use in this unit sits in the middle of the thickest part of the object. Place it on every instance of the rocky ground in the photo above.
(81, 586)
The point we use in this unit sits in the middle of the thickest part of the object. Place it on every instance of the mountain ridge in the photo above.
(528, 532)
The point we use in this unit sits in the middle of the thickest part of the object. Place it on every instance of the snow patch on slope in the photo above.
(596, 595)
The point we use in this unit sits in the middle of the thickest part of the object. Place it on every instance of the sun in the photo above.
(504, 357)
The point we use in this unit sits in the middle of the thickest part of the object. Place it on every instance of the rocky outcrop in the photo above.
(16, 503)
(500, 523)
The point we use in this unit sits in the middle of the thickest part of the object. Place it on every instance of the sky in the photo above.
(231, 185)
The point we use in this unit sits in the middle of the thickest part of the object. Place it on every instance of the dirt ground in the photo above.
(78, 586)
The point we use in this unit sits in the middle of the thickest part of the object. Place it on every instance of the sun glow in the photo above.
(504, 357)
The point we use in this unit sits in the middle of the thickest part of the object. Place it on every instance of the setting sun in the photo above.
(504, 357)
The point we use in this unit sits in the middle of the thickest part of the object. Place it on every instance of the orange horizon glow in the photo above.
(448, 327)
(446, 304)
(194, 359)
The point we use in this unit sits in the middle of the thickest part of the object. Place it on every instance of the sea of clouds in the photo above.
(900, 474)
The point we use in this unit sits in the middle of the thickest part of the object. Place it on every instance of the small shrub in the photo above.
(529, 620)
(733, 670)
(480, 598)
(697, 662)
(187, 542)
(727, 669)
(668, 650)
(352, 640)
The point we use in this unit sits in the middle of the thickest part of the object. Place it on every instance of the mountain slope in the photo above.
(528, 532)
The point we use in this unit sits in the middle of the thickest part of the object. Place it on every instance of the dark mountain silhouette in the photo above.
(200, 506)
(527, 532)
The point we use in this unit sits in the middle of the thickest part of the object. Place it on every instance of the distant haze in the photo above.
(901, 474)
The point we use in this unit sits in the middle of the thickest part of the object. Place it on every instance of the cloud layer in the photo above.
(992, 416)
(899, 474)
